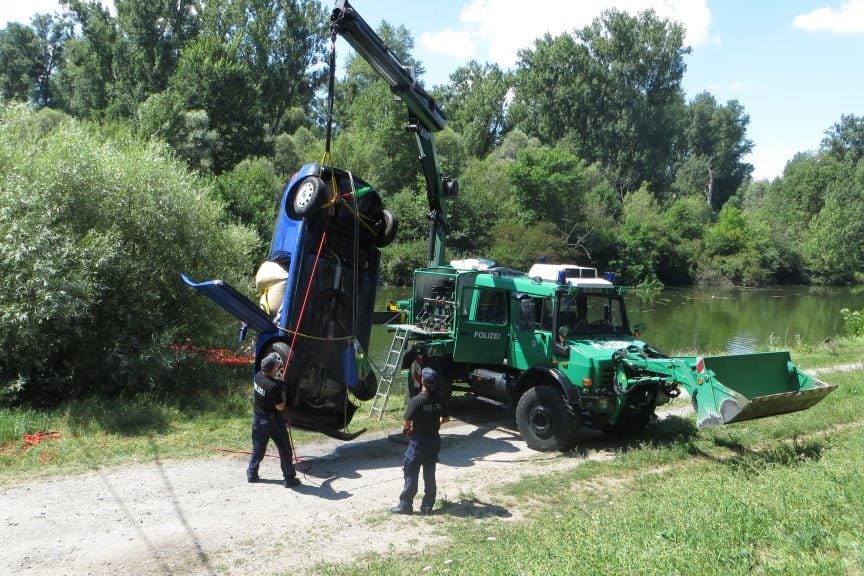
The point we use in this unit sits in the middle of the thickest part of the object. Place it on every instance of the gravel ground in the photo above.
(201, 517)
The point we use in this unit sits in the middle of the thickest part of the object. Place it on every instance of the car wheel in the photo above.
(386, 229)
(308, 198)
(546, 420)
(284, 351)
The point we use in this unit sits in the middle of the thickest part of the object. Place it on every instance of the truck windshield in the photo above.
(591, 314)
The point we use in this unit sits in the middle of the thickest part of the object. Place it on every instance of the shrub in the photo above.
(95, 234)
(853, 321)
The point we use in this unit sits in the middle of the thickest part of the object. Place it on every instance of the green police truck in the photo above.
(556, 344)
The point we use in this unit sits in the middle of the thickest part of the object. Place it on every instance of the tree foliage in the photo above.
(475, 100)
(97, 231)
(614, 89)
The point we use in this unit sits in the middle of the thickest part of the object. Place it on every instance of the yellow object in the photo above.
(270, 283)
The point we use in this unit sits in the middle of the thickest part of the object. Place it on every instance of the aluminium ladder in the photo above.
(392, 368)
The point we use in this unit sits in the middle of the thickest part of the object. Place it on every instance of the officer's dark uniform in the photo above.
(425, 411)
(268, 423)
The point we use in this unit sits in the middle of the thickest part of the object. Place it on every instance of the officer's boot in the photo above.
(402, 508)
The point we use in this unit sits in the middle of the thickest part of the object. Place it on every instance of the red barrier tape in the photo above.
(34, 439)
(222, 356)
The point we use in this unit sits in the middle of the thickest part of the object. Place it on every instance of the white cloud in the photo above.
(849, 19)
(506, 26)
(23, 11)
(768, 163)
(449, 41)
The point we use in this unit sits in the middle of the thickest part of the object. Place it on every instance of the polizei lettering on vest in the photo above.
(488, 335)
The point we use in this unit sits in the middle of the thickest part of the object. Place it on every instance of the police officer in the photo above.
(423, 417)
(267, 420)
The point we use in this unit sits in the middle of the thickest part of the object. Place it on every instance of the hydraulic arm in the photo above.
(424, 116)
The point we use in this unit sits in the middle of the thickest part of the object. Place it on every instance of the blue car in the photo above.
(317, 293)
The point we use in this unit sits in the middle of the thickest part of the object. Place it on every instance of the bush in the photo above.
(95, 234)
(853, 321)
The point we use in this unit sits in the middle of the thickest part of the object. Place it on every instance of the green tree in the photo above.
(845, 139)
(834, 248)
(86, 78)
(281, 41)
(151, 35)
(187, 132)
(29, 57)
(251, 193)
(715, 142)
(20, 64)
(613, 89)
(371, 126)
(212, 76)
(552, 185)
(475, 103)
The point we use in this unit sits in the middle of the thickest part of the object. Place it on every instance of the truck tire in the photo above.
(308, 198)
(546, 420)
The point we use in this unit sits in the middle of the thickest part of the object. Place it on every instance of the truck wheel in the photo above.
(308, 198)
(386, 229)
(546, 420)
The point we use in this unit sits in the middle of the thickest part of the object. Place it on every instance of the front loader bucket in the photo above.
(750, 386)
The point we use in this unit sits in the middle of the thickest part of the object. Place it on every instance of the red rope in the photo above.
(306, 296)
(242, 452)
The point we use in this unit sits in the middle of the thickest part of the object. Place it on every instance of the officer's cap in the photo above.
(429, 376)
(271, 361)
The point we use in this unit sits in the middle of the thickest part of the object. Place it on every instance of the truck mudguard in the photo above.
(541, 373)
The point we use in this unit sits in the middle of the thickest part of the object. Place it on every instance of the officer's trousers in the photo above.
(422, 453)
(265, 427)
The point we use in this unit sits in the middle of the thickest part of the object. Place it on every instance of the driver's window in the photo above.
(535, 314)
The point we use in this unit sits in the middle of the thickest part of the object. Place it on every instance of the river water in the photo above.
(720, 320)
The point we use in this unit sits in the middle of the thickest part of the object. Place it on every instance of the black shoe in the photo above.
(292, 482)
(253, 479)
(426, 511)
(401, 509)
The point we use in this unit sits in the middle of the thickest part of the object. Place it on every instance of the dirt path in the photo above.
(201, 517)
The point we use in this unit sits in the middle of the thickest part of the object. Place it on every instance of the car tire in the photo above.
(546, 421)
(386, 229)
(308, 198)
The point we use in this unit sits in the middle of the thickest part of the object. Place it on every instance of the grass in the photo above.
(100, 432)
(783, 495)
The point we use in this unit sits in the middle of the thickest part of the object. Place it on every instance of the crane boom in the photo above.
(424, 116)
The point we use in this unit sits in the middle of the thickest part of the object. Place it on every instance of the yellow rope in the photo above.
(318, 337)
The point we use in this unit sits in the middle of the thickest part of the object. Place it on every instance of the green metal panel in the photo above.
(482, 325)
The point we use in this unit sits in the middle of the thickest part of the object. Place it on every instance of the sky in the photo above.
(795, 65)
